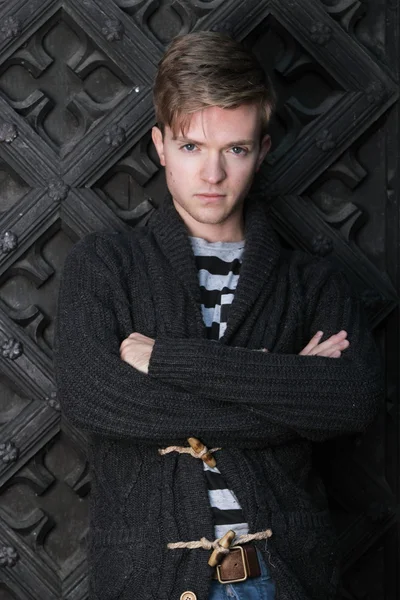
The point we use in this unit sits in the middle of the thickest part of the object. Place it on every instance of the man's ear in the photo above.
(265, 146)
(157, 138)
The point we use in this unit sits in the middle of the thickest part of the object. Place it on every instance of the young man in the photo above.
(198, 332)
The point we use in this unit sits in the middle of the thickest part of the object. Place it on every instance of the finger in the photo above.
(312, 343)
(333, 354)
(334, 340)
(329, 351)
(340, 335)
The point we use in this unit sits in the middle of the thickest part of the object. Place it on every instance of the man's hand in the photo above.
(136, 351)
(331, 348)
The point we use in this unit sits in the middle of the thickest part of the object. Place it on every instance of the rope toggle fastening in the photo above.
(221, 545)
(197, 449)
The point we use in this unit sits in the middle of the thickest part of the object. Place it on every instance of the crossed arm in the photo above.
(308, 393)
(136, 349)
(247, 395)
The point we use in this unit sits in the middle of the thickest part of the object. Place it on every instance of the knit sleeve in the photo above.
(102, 394)
(317, 397)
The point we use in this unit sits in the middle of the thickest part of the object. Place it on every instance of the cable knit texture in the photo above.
(263, 409)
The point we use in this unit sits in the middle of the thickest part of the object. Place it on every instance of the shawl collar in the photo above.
(172, 237)
(261, 255)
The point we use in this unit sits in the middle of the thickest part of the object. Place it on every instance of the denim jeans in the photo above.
(254, 588)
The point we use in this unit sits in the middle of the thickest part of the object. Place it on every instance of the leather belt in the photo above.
(238, 565)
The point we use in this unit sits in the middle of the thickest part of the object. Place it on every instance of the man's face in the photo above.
(209, 171)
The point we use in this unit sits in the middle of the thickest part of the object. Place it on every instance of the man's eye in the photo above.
(189, 147)
(238, 150)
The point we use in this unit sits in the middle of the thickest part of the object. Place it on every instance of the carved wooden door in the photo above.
(76, 156)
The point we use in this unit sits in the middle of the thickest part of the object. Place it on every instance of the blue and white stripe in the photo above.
(218, 266)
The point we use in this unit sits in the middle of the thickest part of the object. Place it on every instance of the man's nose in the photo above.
(213, 170)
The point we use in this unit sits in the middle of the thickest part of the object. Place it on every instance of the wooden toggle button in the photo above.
(198, 447)
(225, 542)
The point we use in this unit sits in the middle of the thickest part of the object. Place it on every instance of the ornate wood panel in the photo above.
(76, 156)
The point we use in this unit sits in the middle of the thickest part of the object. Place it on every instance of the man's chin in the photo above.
(210, 217)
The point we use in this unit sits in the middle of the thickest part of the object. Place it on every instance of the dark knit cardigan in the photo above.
(263, 409)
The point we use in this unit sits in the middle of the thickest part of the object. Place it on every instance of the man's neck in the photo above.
(216, 236)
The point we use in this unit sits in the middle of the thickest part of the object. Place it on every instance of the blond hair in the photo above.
(203, 69)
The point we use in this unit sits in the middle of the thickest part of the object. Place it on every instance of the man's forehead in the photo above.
(242, 123)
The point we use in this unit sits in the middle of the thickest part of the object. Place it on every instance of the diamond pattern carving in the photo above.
(65, 84)
(294, 71)
(40, 496)
(34, 278)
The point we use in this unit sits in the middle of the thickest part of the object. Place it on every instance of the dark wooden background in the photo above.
(76, 156)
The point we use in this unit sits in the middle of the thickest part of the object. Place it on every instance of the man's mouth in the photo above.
(211, 195)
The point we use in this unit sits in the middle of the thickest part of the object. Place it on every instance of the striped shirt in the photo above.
(218, 265)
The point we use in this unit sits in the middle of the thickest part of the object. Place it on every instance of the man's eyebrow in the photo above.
(229, 145)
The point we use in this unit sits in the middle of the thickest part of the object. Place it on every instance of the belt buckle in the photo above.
(244, 568)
